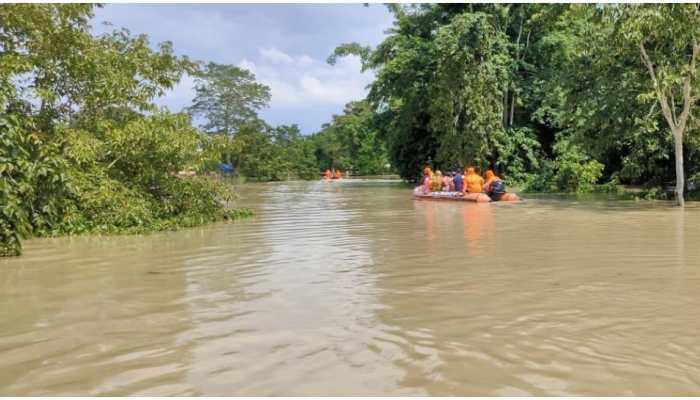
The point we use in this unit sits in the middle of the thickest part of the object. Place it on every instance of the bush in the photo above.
(107, 205)
(192, 201)
(32, 182)
(519, 155)
(117, 179)
(541, 181)
(575, 170)
(571, 171)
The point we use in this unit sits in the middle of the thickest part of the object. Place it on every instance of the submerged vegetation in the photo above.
(82, 147)
(573, 98)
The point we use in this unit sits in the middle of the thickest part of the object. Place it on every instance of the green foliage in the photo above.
(227, 97)
(518, 152)
(575, 171)
(466, 91)
(404, 64)
(446, 75)
(144, 150)
(264, 153)
(122, 176)
(628, 81)
(77, 152)
(32, 182)
(352, 142)
(571, 171)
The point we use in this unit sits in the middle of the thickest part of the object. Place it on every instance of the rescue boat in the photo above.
(459, 196)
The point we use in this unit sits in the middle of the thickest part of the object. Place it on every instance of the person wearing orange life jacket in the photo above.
(436, 181)
(427, 179)
(338, 174)
(496, 188)
(328, 174)
(473, 183)
(494, 185)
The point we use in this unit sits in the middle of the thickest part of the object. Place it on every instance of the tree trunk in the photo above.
(680, 176)
(505, 108)
(512, 109)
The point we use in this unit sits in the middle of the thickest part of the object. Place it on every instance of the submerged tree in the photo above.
(227, 97)
(667, 38)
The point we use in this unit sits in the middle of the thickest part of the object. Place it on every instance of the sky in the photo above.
(284, 45)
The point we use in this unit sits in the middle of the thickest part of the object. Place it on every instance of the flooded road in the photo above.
(354, 288)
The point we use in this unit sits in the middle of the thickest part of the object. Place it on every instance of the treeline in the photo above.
(227, 98)
(554, 97)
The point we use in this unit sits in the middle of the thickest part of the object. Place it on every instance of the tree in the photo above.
(227, 97)
(405, 63)
(624, 80)
(77, 151)
(466, 104)
(667, 39)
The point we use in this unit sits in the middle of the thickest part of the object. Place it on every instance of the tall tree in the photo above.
(466, 91)
(668, 40)
(626, 80)
(227, 97)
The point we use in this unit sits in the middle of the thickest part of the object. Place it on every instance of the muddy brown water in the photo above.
(354, 288)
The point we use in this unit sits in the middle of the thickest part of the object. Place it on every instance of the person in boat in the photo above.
(447, 182)
(493, 185)
(338, 174)
(436, 184)
(473, 182)
(427, 180)
(451, 182)
(496, 188)
(458, 181)
(328, 174)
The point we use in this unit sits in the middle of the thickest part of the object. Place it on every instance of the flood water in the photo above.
(354, 288)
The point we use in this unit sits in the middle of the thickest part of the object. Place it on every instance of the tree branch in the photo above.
(673, 109)
(687, 98)
(666, 110)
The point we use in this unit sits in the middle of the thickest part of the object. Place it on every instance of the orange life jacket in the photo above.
(473, 181)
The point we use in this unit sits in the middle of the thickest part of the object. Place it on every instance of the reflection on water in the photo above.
(352, 287)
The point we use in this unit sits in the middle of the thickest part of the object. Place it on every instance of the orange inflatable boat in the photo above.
(458, 196)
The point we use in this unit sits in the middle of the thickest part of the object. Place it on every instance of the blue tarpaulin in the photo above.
(226, 168)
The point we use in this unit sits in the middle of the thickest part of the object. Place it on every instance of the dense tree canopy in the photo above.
(552, 96)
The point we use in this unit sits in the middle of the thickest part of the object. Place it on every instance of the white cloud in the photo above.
(283, 93)
(296, 88)
(249, 65)
(305, 60)
(308, 82)
(276, 56)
